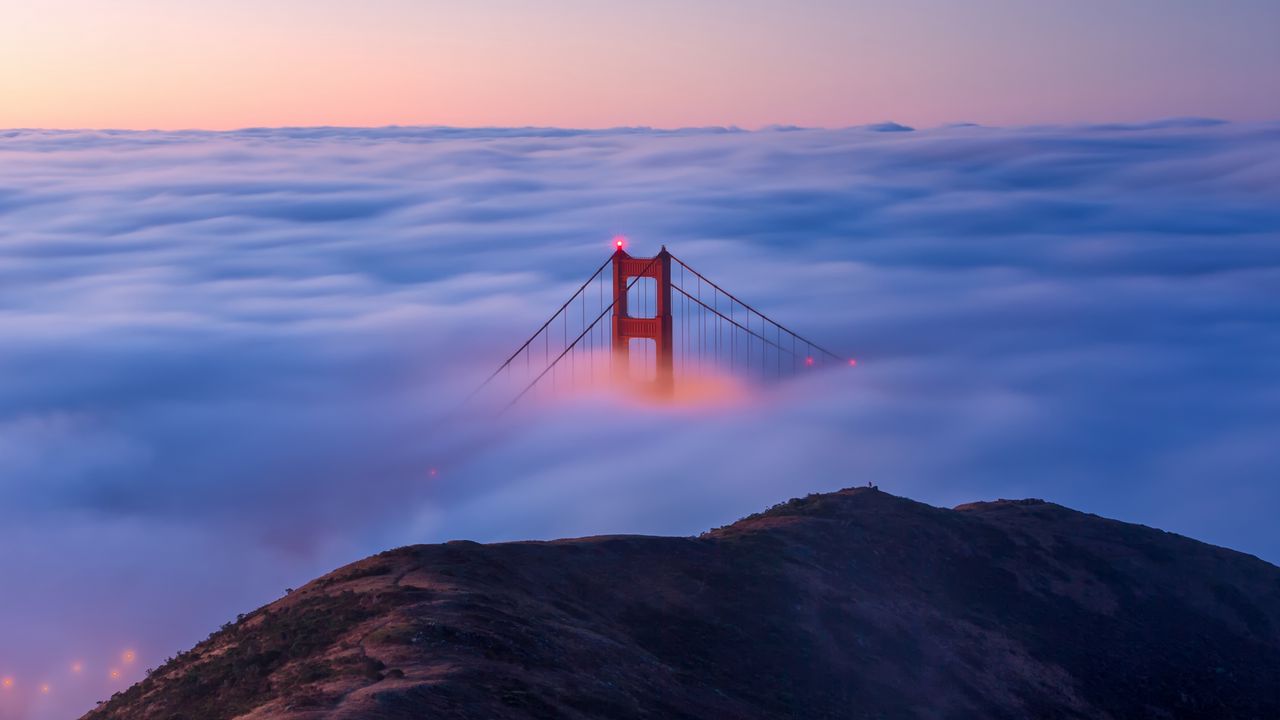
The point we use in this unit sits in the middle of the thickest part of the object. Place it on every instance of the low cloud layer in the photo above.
(228, 359)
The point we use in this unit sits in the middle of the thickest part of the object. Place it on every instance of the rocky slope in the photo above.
(855, 604)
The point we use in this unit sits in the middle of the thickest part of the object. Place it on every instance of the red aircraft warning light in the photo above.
(808, 362)
(852, 362)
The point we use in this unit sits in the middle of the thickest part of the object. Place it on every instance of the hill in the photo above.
(855, 604)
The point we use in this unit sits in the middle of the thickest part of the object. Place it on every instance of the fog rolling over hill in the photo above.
(855, 604)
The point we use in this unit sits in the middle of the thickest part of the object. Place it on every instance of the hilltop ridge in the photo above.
(853, 604)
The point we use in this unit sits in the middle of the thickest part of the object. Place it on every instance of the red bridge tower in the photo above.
(656, 328)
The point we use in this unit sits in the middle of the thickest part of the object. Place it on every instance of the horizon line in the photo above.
(882, 126)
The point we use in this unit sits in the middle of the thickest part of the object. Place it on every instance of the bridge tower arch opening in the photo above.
(656, 327)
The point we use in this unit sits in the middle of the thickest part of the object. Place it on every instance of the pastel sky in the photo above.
(598, 63)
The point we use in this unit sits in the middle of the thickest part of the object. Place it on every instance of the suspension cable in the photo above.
(580, 336)
(735, 323)
(752, 309)
(545, 325)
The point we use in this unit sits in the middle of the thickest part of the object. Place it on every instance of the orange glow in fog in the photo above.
(700, 391)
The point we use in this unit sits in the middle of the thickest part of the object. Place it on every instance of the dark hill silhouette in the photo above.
(855, 604)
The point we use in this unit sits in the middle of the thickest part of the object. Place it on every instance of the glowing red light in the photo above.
(852, 362)
(808, 362)
(433, 472)
(619, 241)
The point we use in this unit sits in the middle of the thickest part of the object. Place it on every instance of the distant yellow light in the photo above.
(76, 667)
(128, 656)
(7, 682)
(44, 689)
(115, 674)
